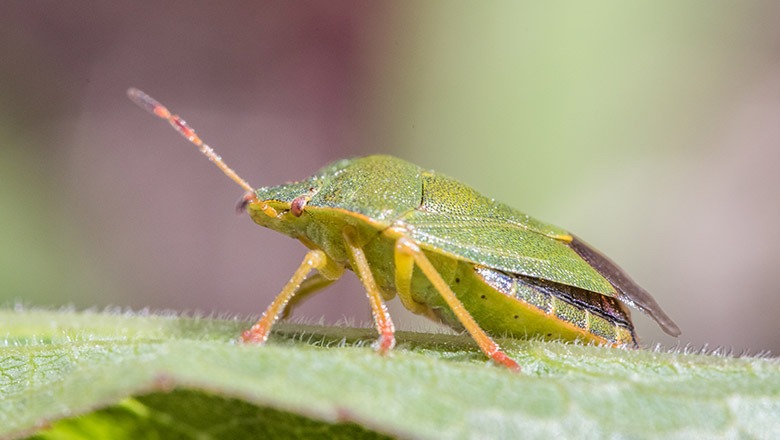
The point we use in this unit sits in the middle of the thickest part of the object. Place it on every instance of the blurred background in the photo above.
(651, 130)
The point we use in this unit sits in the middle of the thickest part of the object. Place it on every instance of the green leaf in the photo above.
(66, 375)
(183, 413)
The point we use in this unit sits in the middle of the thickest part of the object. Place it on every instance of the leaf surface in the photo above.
(136, 376)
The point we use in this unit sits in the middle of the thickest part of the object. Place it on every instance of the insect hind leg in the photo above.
(406, 249)
(404, 269)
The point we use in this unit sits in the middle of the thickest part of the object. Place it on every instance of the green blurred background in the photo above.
(650, 129)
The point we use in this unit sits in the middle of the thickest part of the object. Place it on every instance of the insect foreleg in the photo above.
(384, 324)
(316, 259)
(408, 247)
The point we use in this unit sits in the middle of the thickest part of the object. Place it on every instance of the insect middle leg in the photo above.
(407, 253)
(384, 324)
(312, 284)
(315, 259)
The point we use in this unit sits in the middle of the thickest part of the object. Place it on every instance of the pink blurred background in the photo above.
(650, 131)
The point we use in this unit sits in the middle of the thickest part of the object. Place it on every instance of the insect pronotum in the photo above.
(448, 252)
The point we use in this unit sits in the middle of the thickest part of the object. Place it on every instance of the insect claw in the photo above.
(252, 337)
(501, 358)
(385, 343)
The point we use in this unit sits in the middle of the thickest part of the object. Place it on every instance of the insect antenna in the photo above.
(151, 105)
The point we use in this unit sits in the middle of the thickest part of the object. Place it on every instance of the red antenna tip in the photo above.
(148, 103)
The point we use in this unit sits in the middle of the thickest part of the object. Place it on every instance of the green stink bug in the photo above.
(448, 252)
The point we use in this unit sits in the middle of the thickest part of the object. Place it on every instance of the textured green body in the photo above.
(514, 274)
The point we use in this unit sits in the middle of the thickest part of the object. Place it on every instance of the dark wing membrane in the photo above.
(628, 290)
(504, 246)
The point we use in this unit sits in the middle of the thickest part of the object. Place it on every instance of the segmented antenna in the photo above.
(151, 105)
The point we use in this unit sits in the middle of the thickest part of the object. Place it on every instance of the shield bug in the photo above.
(448, 252)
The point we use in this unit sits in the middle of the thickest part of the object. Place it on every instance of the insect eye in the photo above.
(297, 205)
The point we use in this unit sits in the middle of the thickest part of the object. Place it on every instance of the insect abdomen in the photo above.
(570, 310)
